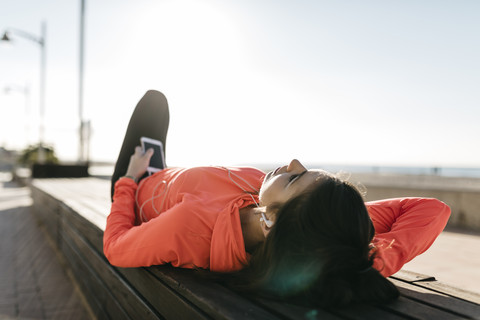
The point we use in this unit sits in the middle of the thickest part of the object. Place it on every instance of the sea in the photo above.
(438, 171)
(461, 172)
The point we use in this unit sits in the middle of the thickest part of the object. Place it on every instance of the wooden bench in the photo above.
(74, 213)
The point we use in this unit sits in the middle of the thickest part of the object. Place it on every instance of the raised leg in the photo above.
(149, 119)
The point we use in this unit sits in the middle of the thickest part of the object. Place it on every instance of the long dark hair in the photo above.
(318, 251)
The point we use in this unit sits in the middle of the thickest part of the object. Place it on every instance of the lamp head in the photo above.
(5, 36)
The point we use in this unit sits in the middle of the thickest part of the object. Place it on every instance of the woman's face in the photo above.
(286, 182)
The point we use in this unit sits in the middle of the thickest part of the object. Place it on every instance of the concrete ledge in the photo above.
(419, 182)
(461, 194)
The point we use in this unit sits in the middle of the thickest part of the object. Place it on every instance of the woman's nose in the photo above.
(295, 166)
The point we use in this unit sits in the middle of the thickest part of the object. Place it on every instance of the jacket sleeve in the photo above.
(405, 228)
(167, 238)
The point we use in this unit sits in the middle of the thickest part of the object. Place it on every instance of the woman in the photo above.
(290, 233)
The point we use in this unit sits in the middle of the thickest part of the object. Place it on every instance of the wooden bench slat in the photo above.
(72, 198)
(419, 310)
(423, 281)
(296, 312)
(92, 234)
(437, 299)
(469, 296)
(211, 297)
(166, 301)
(408, 276)
(361, 312)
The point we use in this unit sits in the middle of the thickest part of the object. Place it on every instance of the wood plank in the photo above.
(469, 296)
(91, 215)
(291, 311)
(92, 188)
(363, 311)
(425, 282)
(409, 276)
(438, 300)
(72, 193)
(166, 301)
(92, 234)
(214, 299)
(418, 310)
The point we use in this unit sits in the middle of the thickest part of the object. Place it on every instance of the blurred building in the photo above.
(8, 159)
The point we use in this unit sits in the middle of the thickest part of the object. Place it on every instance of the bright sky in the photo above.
(249, 81)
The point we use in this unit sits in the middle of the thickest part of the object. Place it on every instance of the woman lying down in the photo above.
(292, 233)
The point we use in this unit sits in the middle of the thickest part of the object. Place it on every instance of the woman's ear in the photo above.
(265, 229)
(267, 221)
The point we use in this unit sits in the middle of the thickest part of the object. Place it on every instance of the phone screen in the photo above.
(157, 160)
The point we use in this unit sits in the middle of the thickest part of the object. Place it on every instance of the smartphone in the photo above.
(157, 162)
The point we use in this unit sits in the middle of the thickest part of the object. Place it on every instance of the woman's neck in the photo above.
(251, 229)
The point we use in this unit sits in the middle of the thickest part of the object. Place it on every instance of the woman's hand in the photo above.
(139, 162)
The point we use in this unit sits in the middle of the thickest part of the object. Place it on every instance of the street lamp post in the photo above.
(84, 129)
(41, 42)
(25, 90)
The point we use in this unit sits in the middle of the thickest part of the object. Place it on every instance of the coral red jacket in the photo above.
(190, 218)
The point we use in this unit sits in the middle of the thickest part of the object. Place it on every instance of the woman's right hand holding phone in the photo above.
(139, 162)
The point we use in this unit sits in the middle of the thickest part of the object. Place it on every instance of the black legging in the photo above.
(149, 119)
